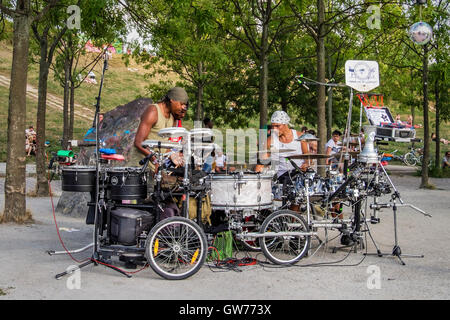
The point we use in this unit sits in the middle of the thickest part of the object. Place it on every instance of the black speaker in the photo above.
(127, 224)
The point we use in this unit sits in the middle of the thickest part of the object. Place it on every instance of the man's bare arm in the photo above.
(260, 167)
(148, 120)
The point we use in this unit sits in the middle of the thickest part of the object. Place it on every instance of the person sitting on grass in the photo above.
(446, 161)
(433, 137)
(30, 146)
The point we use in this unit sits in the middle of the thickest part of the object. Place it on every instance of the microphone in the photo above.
(301, 82)
(146, 159)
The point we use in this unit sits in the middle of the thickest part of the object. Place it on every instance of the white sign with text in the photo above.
(361, 75)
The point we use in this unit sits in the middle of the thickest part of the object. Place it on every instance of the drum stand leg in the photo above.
(396, 251)
(53, 252)
(95, 262)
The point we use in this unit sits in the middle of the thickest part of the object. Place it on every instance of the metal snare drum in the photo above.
(239, 191)
(127, 183)
(78, 178)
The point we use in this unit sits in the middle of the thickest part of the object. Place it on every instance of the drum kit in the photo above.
(133, 220)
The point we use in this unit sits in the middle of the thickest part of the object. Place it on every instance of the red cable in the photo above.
(218, 255)
(54, 219)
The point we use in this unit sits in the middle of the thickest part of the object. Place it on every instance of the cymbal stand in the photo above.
(396, 251)
(187, 154)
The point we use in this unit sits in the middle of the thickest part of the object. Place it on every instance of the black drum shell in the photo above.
(128, 223)
(124, 184)
(78, 179)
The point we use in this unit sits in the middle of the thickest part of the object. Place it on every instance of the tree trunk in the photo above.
(284, 99)
(438, 120)
(321, 122)
(42, 189)
(15, 183)
(426, 129)
(199, 109)
(329, 103)
(65, 139)
(72, 108)
(263, 75)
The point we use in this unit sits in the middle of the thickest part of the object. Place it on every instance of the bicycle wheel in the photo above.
(176, 248)
(291, 245)
(410, 159)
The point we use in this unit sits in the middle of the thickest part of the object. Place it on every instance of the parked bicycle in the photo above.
(415, 157)
(411, 158)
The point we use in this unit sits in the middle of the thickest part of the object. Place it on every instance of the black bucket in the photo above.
(127, 184)
(78, 178)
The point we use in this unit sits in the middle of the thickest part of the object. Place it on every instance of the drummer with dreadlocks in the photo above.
(160, 115)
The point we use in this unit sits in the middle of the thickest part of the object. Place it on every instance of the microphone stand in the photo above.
(95, 259)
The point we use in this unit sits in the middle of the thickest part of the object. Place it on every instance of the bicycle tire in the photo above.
(285, 250)
(410, 159)
(176, 248)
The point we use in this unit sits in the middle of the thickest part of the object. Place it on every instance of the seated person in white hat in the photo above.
(282, 137)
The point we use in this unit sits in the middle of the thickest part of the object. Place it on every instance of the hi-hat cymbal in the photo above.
(173, 132)
(154, 144)
(309, 156)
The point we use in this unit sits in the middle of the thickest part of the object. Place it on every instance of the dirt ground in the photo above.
(28, 272)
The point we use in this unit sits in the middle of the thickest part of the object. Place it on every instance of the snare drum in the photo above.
(127, 183)
(240, 191)
(78, 178)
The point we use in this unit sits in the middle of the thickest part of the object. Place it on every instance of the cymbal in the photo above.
(309, 156)
(205, 132)
(273, 151)
(351, 153)
(350, 143)
(206, 146)
(173, 132)
(154, 144)
(307, 137)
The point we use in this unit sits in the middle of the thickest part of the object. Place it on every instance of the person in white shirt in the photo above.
(284, 138)
(221, 162)
(30, 131)
(332, 147)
